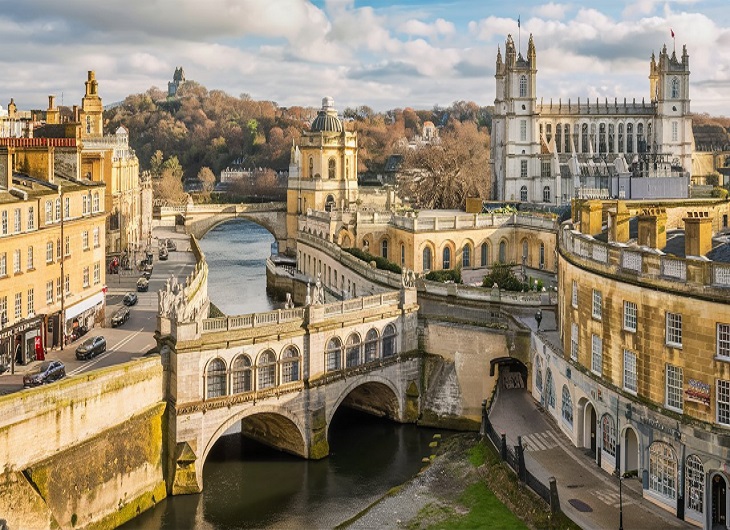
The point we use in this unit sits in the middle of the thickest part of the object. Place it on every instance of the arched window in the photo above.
(542, 255)
(334, 354)
(447, 258)
(538, 373)
(389, 336)
(620, 138)
(290, 365)
(608, 435)
(352, 350)
(402, 255)
(311, 167)
(466, 256)
(485, 254)
(640, 145)
(523, 193)
(371, 345)
(546, 194)
(566, 139)
(331, 166)
(567, 406)
(558, 137)
(215, 377)
(427, 259)
(602, 148)
(629, 137)
(523, 86)
(663, 470)
(241, 375)
(266, 370)
(329, 203)
(674, 91)
(384, 248)
(584, 138)
(611, 137)
(502, 252)
(695, 483)
(525, 251)
(549, 390)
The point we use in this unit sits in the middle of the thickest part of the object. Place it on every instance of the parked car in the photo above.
(120, 317)
(130, 298)
(91, 347)
(170, 244)
(46, 372)
(147, 270)
(143, 284)
(163, 253)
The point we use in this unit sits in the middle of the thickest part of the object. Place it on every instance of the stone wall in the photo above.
(85, 451)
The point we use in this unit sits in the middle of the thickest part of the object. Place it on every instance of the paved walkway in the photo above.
(588, 495)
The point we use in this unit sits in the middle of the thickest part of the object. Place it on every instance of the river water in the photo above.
(248, 485)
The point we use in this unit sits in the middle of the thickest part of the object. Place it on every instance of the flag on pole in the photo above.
(672, 32)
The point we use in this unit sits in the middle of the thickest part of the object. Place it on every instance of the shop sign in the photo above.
(697, 391)
(21, 327)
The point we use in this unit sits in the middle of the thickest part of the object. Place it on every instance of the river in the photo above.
(248, 485)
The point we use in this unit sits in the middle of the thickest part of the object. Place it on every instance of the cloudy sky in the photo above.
(380, 53)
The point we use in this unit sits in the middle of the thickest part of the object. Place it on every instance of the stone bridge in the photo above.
(282, 375)
(199, 218)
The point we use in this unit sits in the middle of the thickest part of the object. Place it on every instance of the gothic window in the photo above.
(502, 252)
(620, 137)
(566, 139)
(608, 435)
(549, 390)
(602, 148)
(525, 250)
(695, 484)
(558, 137)
(466, 256)
(594, 138)
(611, 137)
(576, 137)
(584, 138)
(384, 248)
(389, 336)
(333, 354)
(546, 194)
(549, 133)
(640, 145)
(266, 370)
(371, 345)
(523, 193)
(427, 259)
(675, 88)
(311, 167)
(523, 169)
(331, 168)
(629, 137)
(216, 379)
(663, 470)
(241, 375)
(567, 406)
(523, 86)
(290, 365)
(538, 373)
(329, 204)
(523, 130)
(485, 254)
(353, 350)
(542, 255)
(446, 258)
(402, 255)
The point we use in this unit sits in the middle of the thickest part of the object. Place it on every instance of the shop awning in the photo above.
(83, 305)
(22, 326)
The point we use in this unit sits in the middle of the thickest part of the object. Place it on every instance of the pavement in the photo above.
(588, 495)
(133, 338)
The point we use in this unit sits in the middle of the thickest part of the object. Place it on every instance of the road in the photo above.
(133, 338)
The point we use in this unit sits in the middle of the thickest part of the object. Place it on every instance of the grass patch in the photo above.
(477, 454)
(485, 511)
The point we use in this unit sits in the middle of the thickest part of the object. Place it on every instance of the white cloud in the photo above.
(422, 29)
(551, 10)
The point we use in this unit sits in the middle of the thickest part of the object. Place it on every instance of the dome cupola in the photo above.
(327, 120)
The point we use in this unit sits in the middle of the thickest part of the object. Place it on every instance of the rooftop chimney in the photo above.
(653, 228)
(697, 233)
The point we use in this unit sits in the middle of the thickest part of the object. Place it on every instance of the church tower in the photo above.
(515, 141)
(90, 115)
(322, 170)
(669, 85)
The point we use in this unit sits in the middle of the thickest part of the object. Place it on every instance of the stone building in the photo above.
(52, 263)
(549, 152)
(642, 376)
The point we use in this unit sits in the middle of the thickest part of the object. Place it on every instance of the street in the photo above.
(136, 336)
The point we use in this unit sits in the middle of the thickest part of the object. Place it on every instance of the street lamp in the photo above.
(618, 471)
(538, 318)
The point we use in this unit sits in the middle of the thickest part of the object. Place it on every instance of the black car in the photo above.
(130, 298)
(170, 244)
(143, 284)
(45, 372)
(91, 347)
(163, 253)
(120, 317)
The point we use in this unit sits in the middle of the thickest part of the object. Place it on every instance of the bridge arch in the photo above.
(200, 231)
(271, 425)
(373, 394)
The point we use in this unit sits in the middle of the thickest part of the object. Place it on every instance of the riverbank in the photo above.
(465, 486)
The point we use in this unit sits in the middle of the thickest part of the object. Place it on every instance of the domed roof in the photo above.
(327, 120)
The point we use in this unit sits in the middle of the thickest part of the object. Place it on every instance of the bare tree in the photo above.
(206, 179)
(446, 174)
(169, 188)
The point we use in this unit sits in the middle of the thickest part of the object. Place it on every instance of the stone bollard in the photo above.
(554, 499)
(503, 451)
(485, 419)
(521, 468)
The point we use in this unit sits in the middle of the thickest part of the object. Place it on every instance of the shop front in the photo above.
(81, 317)
(22, 342)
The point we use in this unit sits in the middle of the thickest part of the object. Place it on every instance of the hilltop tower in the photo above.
(91, 111)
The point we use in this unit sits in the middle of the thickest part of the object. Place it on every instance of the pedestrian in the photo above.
(18, 353)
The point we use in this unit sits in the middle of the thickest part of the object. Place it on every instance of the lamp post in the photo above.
(618, 471)
(538, 318)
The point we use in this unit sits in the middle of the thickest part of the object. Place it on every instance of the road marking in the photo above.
(539, 441)
(611, 498)
(104, 355)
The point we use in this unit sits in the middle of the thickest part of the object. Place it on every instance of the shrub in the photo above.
(380, 262)
(503, 275)
(720, 193)
(448, 275)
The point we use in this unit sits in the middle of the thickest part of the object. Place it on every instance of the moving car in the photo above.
(120, 317)
(163, 253)
(147, 270)
(46, 372)
(130, 298)
(143, 284)
(170, 244)
(91, 347)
